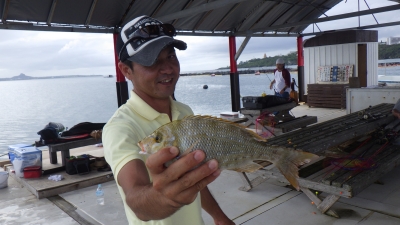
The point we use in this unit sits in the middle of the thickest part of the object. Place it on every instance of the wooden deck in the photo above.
(42, 187)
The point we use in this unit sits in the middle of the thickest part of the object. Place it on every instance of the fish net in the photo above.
(265, 124)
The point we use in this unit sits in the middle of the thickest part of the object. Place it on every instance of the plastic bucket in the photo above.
(3, 179)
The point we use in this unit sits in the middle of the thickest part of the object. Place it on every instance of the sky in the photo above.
(38, 53)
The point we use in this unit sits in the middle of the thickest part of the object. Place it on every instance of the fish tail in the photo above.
(289, 162)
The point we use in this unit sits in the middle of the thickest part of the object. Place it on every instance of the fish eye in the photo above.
(158, 138)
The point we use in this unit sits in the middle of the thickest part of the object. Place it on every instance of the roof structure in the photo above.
(190, 17)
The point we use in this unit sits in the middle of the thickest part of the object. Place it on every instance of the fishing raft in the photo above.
(355, 151)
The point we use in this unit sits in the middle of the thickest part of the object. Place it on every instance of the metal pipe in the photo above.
(121, 84)
(300, 67)
(234, 75)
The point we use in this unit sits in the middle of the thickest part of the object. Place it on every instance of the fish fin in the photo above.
(289, 162)
(248, 168)
(187, 151)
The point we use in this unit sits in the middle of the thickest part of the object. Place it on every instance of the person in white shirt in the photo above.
(281, 82)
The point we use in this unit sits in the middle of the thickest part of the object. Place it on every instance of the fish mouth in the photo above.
(142, 151)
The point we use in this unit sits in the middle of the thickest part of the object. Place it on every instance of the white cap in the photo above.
(280, 61)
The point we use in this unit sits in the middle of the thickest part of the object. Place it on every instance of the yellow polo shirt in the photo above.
(131, 123)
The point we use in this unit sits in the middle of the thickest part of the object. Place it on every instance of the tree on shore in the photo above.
(385, 52)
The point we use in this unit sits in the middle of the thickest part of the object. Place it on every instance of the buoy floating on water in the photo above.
(205, 86)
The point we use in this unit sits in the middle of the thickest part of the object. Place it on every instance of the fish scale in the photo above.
(232, 145)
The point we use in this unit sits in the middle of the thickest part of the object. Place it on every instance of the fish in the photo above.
(231, 144)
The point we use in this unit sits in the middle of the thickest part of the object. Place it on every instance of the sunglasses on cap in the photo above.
(148, 32)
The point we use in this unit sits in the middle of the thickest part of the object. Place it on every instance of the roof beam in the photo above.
(30, 26)
(159, 6)
(109, 30)
(309, 13)
(89, 16)
(51, 13)
(336, 17)
(188, 3)
(201, 20)
(246, 21)
(126, 13)
(280, 15)
(5, 11)
(241, 48)
(226, 16)
(356, 28)
(227, 34)
(198, 9)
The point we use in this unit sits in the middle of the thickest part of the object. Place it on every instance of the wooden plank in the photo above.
(327, 203)
(327, 95)
(296, 123)
(342, 192)
(358, 183)
(287, 106)
(320, 204)
(380, 159)
(313, 167)
(4, 162)
(318, 145)
(42, 187)
(72, 144)
(342, 172)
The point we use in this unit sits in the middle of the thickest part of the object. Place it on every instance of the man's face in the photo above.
(279, 67)
(159, 80)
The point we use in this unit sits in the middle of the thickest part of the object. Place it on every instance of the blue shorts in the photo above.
(284, 95)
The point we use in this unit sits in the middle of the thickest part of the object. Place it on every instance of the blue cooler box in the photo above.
(11, 149)
(24, 157)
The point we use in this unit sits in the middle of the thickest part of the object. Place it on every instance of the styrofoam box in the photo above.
(30, 156)
(229, 115)
(11, 148)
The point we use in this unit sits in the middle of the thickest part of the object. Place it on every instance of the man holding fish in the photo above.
(151, 192)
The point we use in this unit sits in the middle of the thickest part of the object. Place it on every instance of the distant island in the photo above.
(25, 77)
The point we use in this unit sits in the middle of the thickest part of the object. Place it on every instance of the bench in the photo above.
(333, 176)
(65, 147)
(283, 119)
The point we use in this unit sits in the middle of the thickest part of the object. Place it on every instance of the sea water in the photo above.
(28, 105)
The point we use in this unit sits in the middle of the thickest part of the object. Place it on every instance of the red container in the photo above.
(32, 171)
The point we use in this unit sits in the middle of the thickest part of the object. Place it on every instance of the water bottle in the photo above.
(100, 195)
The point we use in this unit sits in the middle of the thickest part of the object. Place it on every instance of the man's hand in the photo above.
(171, 187)
(224, 222)
(179, 184)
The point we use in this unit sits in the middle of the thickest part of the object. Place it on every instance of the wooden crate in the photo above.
(327, 95)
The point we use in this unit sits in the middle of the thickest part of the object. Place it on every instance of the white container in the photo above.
(3, 179)
(11, 149)
(229, 115)
(361, 98)
(24, 157)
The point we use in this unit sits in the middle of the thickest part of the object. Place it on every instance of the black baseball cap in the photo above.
(137, 45)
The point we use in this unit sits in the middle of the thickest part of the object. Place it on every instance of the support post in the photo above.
(300, 68)
(234, 75)
(122, 85)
